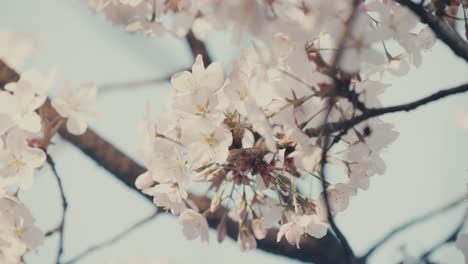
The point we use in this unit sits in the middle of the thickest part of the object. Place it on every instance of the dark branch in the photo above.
(375, 112)
(112, 240)
(61, 227)
(412, 223)
(451, 238)
(440, 27)
(198, 48)
(337, 86)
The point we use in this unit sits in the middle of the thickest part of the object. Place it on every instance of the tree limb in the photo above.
(61, 228)
(411, 223)
(440, 27)
(111, 240)
(375, 112)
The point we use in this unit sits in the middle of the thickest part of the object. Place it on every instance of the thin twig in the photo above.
(375, 112)
(411, 223)
(61, 228)
(103, 88)
(440, 27)
(131, 84)
(113, 239)
(451, 238)
(323, 161)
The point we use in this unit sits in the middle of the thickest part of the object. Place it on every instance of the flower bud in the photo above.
(221, 231)
(242, 209)
(246, 240)
(258, 228)
(144, 181)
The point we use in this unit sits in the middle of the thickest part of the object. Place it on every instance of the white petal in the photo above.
(30, 122)
(32, 237)
(34, 157)
(76, 126)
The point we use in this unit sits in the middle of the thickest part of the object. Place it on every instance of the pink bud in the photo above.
(242, 209)
(246, 240)
(258, 228)
(221, 232)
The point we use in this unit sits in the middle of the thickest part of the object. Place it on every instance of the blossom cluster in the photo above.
(26, 129)
(255, 136)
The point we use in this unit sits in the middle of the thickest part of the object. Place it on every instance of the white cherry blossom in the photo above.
(77, 106)
(300, 225)
(20, 107)
(194, 225)
(18, 161)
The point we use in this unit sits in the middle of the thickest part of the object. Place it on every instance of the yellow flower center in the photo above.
(202, 109)
(243, 92)
(17, 164)
(209, 140)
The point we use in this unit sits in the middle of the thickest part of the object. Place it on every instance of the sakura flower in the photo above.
(201, 28)
(195, 91)
(358, 47)
(246, 240)
(271, 213)
(20, 107)
(307, 157)
(208, 144)
(258, 229)
(11, 250)
(299, 225)
(397, 66)
(338, 197)
(77, 106)
(14, 49)
(462, 244)
(5, 124)
(18, 222)
(33, 79)
(201, 78)
(461, 120)
(132, 3)
(194, 225)
(18, 161)
(168, 196)
(165, 162)
(395, 20)
(426, 39)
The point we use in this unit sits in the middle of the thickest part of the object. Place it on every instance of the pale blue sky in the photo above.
(427, 165)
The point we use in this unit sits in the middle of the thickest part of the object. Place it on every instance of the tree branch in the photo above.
(61, 228)
(441, 28)
(410, 224)
(350, 257)
(198, 48)
(375, 112)
(451, 238)
(112, 240)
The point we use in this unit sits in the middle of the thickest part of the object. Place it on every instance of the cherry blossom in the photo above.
(17, 231)
(76, 106)
(14, 48)
(462, 245)
(18, 161)
(300, 225)
(246, 240)
(20, 107)
(194, 225)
